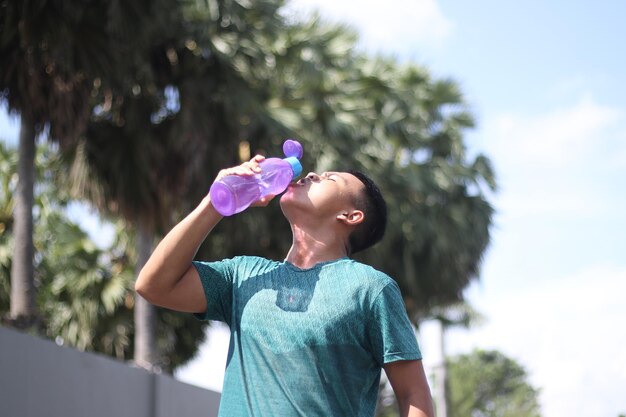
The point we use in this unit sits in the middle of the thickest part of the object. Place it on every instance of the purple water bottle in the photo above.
(233, 193)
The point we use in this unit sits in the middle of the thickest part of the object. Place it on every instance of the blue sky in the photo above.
(547, 84)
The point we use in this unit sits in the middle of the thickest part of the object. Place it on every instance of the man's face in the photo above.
(323, 194)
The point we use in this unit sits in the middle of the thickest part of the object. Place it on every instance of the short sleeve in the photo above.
(217, 282)
(392, 336)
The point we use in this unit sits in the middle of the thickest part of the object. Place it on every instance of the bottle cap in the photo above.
(296, 166)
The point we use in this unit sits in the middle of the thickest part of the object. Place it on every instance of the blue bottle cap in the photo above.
(296, 166)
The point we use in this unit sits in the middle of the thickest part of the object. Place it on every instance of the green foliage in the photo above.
(85, 294)
(8, 165)
(489, 384)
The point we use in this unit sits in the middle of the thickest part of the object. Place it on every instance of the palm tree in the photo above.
(154, 142)
(124, 170)
(439, 225)
(51, 69)
(44, 77)
(22, 283)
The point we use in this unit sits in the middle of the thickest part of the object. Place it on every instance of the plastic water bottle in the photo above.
(233, 193)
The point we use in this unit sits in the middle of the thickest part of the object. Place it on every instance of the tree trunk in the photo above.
(441, 375)
(23, 309)
(145, 313)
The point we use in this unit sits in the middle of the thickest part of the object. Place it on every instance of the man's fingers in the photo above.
(254, 163)
(252, 166)
(247, 168)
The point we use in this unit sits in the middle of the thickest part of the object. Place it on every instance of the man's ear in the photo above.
(351, 218)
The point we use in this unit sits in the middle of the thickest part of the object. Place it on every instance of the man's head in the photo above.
(349, 203)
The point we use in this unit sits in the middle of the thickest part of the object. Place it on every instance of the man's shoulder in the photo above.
(252, 265)
(369, 274)
(369, 269)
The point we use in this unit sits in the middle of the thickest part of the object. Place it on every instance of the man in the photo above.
(309, 335)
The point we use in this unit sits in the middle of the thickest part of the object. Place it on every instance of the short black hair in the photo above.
(370, 200)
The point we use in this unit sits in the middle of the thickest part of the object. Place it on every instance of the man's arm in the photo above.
(409, 383)
(169, 279)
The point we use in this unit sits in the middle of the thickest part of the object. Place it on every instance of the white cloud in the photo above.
(559, 138)
(552, 162)
(398, 26)
(568, 333)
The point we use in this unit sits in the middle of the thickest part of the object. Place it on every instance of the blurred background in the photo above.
(495, 130)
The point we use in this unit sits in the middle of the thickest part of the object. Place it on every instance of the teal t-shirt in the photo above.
(305, 342)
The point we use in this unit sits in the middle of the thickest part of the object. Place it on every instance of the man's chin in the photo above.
(285, 198)
(290, 201)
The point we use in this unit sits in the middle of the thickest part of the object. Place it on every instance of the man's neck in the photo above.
(311, 247)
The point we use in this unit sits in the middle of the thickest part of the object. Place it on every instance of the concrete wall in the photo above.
(40, 379)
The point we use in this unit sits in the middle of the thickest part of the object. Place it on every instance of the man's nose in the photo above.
(312, 176)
